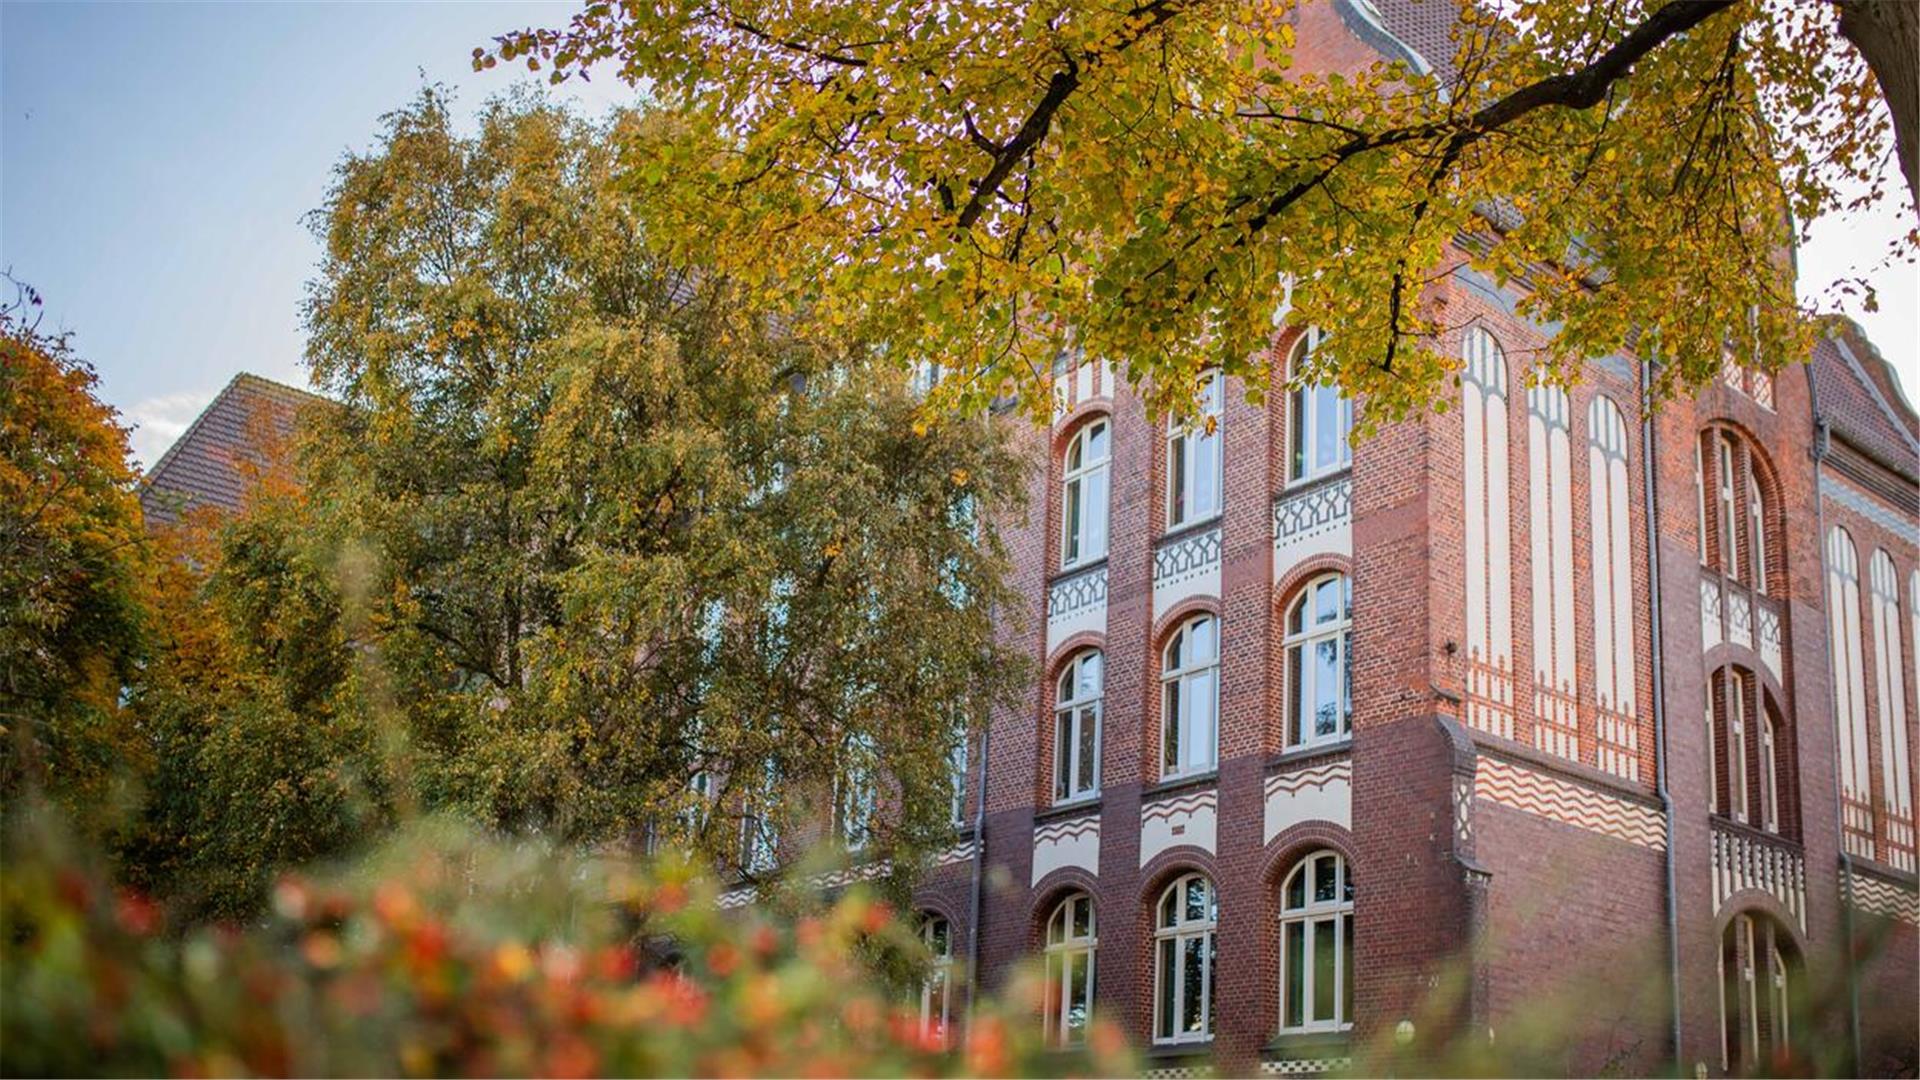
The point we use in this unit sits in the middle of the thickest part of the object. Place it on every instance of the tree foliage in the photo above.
(989, 184)
(73, 573)
(643, 560)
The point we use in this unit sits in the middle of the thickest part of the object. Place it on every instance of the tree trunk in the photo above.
(1887, 33)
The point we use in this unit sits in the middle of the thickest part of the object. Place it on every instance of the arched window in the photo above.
(1076, 728)
(1849, 690)
(1769, 771)
(1733, 508)
(1319, 664)
(1183, 961)
(1316, 945)
(1759, 973)
(1071, 942)
(1319, 419)
(1083, 501)
(1612, 569)
(936, 991)
(1890, 692)
(1550, 526)
(1193, 459)
(1488, 541)
(1190, 698)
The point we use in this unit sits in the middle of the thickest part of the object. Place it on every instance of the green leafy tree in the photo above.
(647, 561)
(989, 184)
(73, 576)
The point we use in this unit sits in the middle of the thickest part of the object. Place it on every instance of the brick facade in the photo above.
(1512, 889)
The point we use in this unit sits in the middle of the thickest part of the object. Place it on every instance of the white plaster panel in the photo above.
(1074, 842)
(1322, 792)
(1187, 567)
(1076, 604)
(1190, 818)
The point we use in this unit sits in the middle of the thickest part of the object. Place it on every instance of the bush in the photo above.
(450, 952)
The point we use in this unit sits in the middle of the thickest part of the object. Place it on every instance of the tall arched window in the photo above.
(1890, 692)
(1890, 679)
(1190, 698)
(1758, 972)
(1733, 525)
(1617, 690)
(1849, 689)
(1184, 925)
(1316, 945)
(1083, 500)
(1769, 771)
(1076, 728)
(1550, 525)
(1071, 943)
(1488, 540)
(936, 990)
(1319, 419)
(1319, 665)
(1193, 458)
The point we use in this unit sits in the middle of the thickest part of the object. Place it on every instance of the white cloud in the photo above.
(158, 421)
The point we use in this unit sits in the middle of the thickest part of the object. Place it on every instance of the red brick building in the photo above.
(1539, 721)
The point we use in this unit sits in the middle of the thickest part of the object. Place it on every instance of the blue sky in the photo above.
(156, 161)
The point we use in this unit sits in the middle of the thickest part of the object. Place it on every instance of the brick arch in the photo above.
(1173, 617)
(1306, 570)
(1754, 901)
(1772, 503)
(935, 904)
(1069, 650)
(1299, 840)
(1078, 417)
(1060, 883)
(1727, 654)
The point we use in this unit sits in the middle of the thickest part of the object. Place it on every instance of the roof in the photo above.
(1423, 26)
(1860, 401)
(211, 464)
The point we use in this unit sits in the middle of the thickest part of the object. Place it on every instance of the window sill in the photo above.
(1294, 755)
(1081, 567)
(1180, 1048)
(1072, 809)
(1173, 534)
(1302, 1045)
(1307, 483)
(1182, 781)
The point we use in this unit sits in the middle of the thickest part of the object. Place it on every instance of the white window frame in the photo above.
(1072, 710)
(1173, 929)
(1085, 485)
(937, 987)
(1303, 424)
(1194, 459)
(1724, 504)
(1756, 532)
(1066, 950)
(1738, 683)
(1303, 675)
(1180, 682)
(1769, 775)
(1312, 916)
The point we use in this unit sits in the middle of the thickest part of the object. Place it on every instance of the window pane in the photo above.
(1196, 900)
(1323, 965)
(1063, 755)
(1297, 890)
(1177, 477)
(1206, 474)
(1298, 433)
(1170, 723)
(1089, 748)
(1200, 728)
(1193, 1018)
(1165, 976)
(1326, 601)
(1079, 994)
(1326, 427)
(1082, 917)
(1294, 944)
(1346, 682)
(1326, 686)
(1072, 538)
(1205, 636)
(1326, 873)
(1097, 442)
(1346, 962)
(1299, 701)
(1096, 512)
